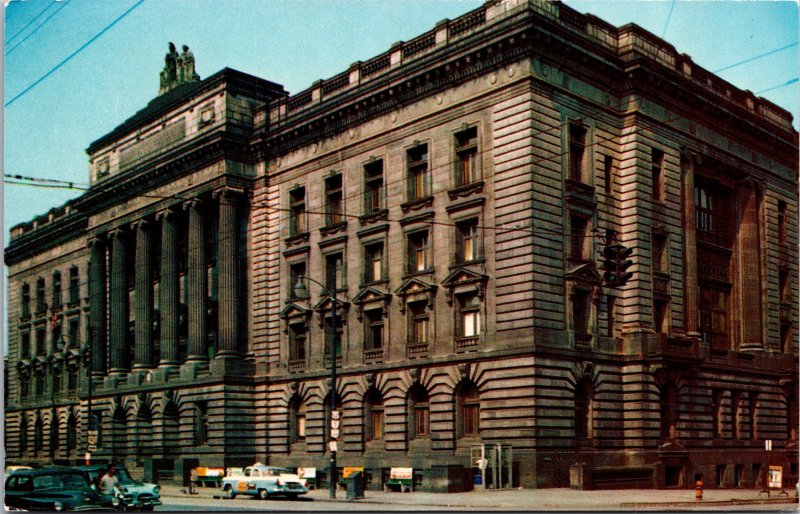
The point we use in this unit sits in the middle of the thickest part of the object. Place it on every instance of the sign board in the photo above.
(234, 472)
(401, 473)
(335, 424)
(91, 439)
(768, 445)
(332, 446)
(775, 477)
(210, 472)
(346, 472)
(335, 414)
(334, 433)
(307, 473)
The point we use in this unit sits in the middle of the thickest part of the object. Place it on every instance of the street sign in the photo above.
(91, 440)
(335, 414)
(335, 424)
(334, 433)
(332, 446)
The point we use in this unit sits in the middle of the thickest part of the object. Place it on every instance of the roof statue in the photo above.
(178, 69)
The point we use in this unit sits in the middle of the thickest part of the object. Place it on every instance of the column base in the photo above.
(229, 364)
(190, 370)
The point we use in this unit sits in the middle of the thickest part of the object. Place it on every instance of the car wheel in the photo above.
(263, 494)
(229, 492)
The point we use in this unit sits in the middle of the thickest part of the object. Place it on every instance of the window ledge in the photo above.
(466, 190)
(418, 273)
(373, 217)
(333, 229)
(297, 239)
(464, 264)
(418, 204)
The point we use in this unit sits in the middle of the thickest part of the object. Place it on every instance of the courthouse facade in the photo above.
(456, 194)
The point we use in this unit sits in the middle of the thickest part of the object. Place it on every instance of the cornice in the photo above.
(37, 241)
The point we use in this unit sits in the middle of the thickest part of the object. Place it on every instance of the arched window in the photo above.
(119, 426)
(669, 411)
(468, 410)
(144, 432)
(373, 414)
(297, 420)
(584, 410)
(201, 423)
(55, 435)
(23, 436)
(38, 443)
(72, 434)
(418, 412)
(171, 438)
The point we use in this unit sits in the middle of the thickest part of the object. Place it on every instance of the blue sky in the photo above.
(294, 43)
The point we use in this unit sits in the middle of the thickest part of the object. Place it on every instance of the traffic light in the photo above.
(616, 263)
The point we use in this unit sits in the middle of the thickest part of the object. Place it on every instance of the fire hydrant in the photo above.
(698, 490)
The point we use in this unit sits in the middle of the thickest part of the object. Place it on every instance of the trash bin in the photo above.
(355, 486)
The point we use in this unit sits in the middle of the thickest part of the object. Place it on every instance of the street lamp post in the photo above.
(301, 292)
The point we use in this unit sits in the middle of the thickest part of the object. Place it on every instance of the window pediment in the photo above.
(371, 298)
(464, 280)
(293, 311)
(326, 303)
(415, 286)
(584, 273)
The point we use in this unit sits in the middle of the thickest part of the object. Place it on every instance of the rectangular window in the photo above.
(421, 420)
(577, 150)
(373, 187)
(297, 220)
(657, 164)
(784, 291)
(376, 424)
(296, 271)
(25, 304)
(373, 338)
(40, 291)
(201, 424)
(471, 414)
(298, 336)
(40, 335)
(373, 263)
(329, 335)
(419, 323)
(781, 222)
(56, 290)
(334, 206)
(659, 253)
(301, 426)
(418, 249)
(56, 336)
(578, 232)
(25, 345)
(334, 272)
(72, 378)
(74, 285)
(608, 173)
(660, 316)
(467, 241)
(56, 381)
(714, 317)
(418, 175)
(580, 311)
(470, 316)
(467, 156)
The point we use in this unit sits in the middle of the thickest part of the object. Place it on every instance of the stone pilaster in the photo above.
(196, 287)
(169, 289)
(690, 285)
(143, 356)
(97, 305)
(748, 267)
(119, 313)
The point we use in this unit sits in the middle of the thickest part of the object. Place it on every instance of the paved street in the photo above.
(506, 500)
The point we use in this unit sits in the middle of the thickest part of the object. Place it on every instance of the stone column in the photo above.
(143, 355)
(97, 305)
(196, 288)
(227, 264)
(119, 303)
(691, 289)
(169, 289)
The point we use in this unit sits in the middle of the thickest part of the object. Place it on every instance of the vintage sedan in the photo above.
(135, 495)
(264, 481)
(52, 489)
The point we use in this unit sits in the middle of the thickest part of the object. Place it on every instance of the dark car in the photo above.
(53, 489)
(135, 495)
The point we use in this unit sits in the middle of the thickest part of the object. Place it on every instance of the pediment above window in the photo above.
(326, 304)
(585, 273)
(370, 298)
(293, 312)
(415, 290)
(464, 281)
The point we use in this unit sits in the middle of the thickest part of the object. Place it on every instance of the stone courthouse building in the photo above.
(457, 194)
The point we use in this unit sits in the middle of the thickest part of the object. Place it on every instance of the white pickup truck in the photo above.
(264, 481)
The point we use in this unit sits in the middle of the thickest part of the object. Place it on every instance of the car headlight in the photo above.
(58, 506)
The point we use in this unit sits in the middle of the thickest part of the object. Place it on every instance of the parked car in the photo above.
(53, 489)
(264, 481)
(135, 495)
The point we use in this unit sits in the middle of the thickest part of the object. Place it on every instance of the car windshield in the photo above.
(61, 480)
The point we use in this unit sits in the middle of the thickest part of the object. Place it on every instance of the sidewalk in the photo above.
(542, 499)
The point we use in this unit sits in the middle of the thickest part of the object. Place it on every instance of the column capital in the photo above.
(165, 214)
(227, 192)
(140, 224)
(117, 233)
(96, 240)
(193, 203)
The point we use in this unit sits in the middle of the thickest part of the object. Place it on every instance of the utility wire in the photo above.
(790, 45)
(787, 83)
(34, 31)
(669, 17)
(49, 5)
(73, 54)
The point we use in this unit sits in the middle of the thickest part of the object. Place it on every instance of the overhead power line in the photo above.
(73, 54)
(787, 83)
(7, 41)
(750, 59)
(669, 17)
(34, 31)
